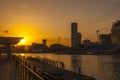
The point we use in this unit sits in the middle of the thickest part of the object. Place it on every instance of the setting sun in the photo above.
(22, 42)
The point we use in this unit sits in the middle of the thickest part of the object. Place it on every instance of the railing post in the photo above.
(34, 68)
(29, 71)
(25, 71)
(62, 65)
(21, 69)
(57, 64)
(79, 70)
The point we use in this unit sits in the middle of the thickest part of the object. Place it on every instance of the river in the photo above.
(101, 67)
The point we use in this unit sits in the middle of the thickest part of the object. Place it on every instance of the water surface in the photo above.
(102, 67)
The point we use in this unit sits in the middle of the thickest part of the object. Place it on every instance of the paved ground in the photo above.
(7, 69)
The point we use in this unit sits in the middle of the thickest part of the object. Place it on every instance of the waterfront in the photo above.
(102, 67)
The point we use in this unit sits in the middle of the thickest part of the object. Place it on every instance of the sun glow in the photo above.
(28, 32)
(22, 41)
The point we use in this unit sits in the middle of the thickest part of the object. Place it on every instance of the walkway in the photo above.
(8, 72)
(7, 69)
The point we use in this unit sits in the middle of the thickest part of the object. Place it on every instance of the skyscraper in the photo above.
(75, 36)
(44, 42)
(79, 38)
(115, 33)
(105, 39)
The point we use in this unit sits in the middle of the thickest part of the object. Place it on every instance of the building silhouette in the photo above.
(105, 39)
(39, 47)
(75, 36)
(87, 42)
(78, 38)
(115, 32)
(44, 42)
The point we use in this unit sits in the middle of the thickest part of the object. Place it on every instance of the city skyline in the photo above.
(37, 19)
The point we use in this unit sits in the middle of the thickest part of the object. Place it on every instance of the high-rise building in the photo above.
(105, 39)
(115, 32)
(75, 36)
(44, 42)
(74, 28)
(79, 38)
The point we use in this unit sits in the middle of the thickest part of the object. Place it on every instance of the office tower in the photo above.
(44, 42)
(74, 28)
(79, 38)
(105, 39)
(75, 36)
(115, 33)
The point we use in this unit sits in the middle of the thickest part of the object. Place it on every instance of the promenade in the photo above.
(7, 69)
(10, 70)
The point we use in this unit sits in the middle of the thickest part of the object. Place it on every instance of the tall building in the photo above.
(105, 39)
(78, 38)
(115, 32)
(75, 36)
(44, 42)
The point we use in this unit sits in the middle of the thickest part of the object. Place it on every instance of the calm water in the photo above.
(102, 67)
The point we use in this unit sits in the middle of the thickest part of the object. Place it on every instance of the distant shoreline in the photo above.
(78, 53)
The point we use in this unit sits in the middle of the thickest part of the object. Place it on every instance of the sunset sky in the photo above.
(48, 19)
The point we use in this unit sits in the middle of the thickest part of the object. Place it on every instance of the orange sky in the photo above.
(48, 19)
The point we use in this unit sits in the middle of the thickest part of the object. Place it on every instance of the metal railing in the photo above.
(27, 71)
(47, 64)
